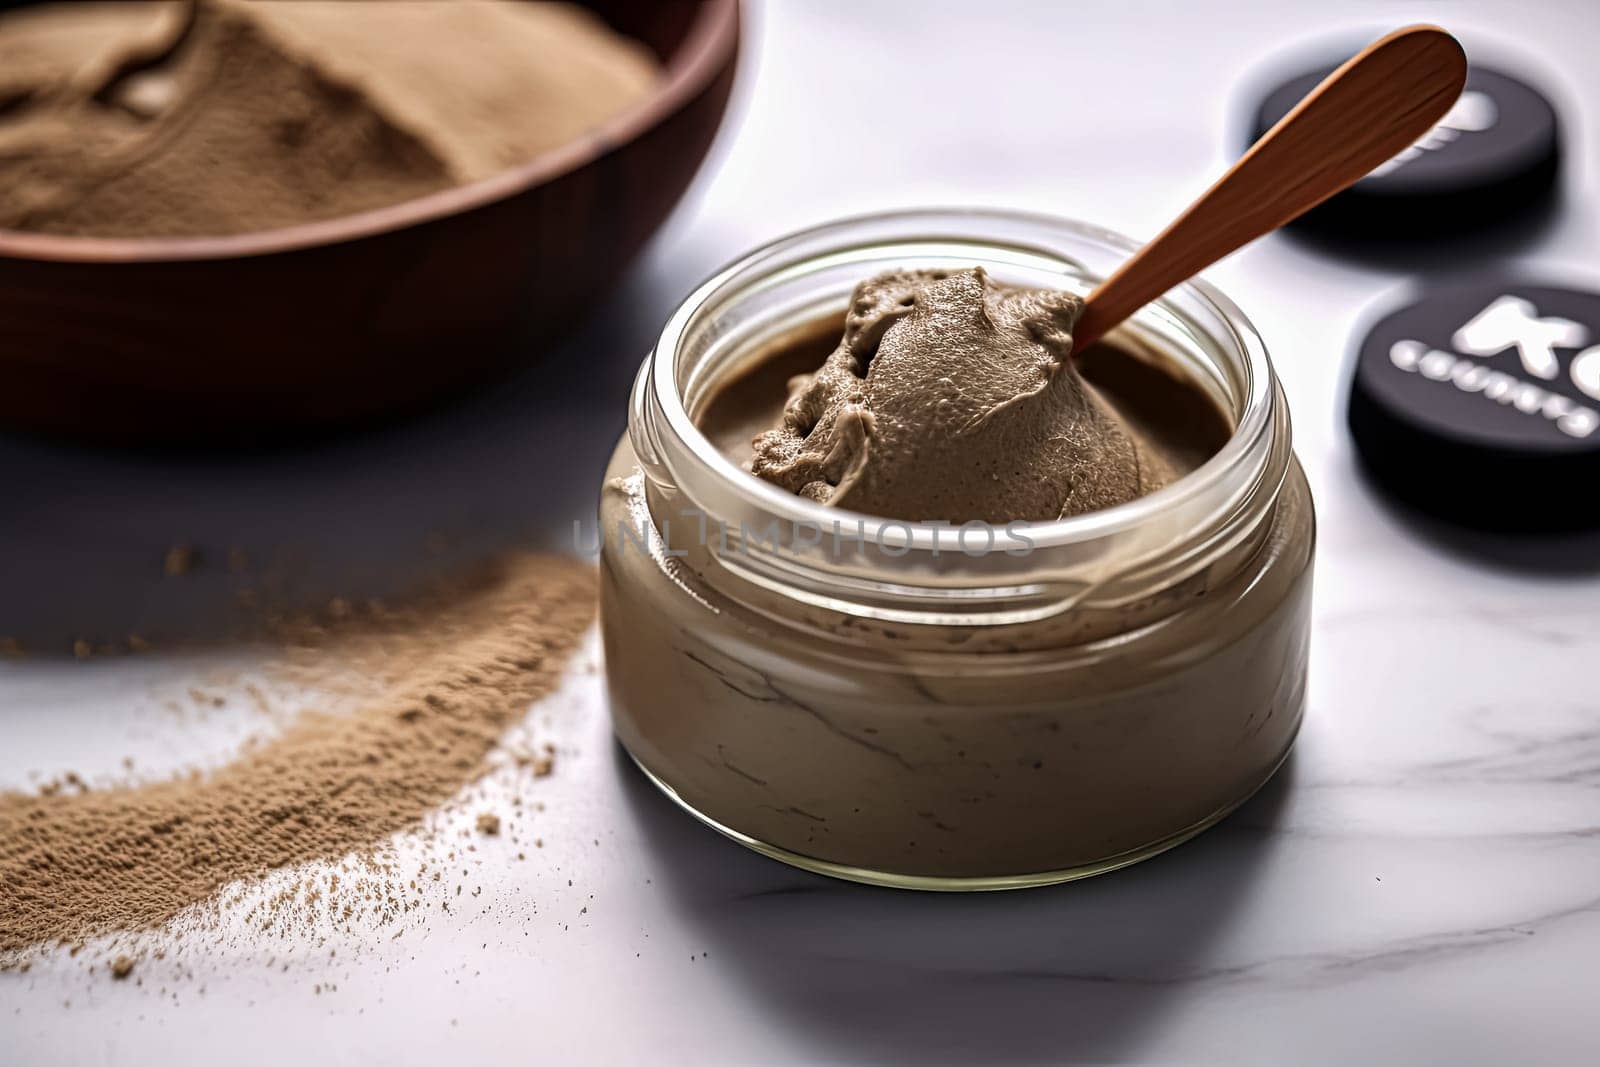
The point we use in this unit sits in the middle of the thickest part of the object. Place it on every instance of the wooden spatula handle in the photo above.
(1361, 115)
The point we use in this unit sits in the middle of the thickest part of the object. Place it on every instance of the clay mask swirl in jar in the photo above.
(964, 702)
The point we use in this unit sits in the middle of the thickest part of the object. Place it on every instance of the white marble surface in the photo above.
(1420, 885)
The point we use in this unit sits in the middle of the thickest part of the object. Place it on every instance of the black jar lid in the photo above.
(1479, 402)
(1495, 156)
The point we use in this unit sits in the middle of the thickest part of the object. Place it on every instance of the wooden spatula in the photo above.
(1362, 114)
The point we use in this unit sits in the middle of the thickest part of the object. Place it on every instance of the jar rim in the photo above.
(1253, 421)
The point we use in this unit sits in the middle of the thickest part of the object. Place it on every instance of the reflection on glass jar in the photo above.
(952, 707)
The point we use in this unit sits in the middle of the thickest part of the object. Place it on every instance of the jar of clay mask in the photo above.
(938, 706)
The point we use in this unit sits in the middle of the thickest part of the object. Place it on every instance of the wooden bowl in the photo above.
(266, 335)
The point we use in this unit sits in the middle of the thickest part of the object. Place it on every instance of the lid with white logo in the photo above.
(1494, 156)
(1479, 403)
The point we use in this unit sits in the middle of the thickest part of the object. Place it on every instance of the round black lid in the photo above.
(1494, 156)
(1479, 403)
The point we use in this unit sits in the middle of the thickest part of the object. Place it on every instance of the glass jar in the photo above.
(943, 707)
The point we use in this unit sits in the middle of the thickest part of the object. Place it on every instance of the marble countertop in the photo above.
(1421, 884)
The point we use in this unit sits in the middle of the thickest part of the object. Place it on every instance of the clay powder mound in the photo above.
(73, 866)
(231, 116)
(488, 84)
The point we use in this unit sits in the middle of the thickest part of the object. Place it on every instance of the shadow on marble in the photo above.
(84, 532)
(1435, 257)
(1555, 555)
(1080, 972)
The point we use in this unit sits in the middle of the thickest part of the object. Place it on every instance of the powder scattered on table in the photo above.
(76, 865)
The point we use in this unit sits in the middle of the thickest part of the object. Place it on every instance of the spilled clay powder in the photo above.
(226, 116)
(77, 864)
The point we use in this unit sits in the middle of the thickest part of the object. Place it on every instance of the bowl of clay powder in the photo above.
(228, 221)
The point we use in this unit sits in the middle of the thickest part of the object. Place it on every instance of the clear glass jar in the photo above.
(945, 707)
